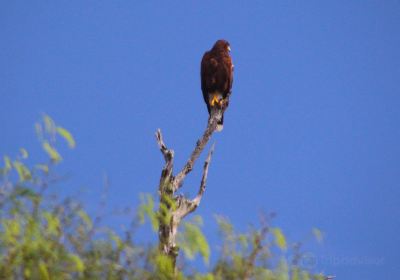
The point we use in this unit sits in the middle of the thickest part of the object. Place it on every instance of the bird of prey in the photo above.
(217, 78)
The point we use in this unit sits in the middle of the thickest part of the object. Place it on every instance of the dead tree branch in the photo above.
(201, 143)
(173, 208)
(197, 199)
(258, 246)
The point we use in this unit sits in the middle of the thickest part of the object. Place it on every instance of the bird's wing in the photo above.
(209, 66)
(228, 69)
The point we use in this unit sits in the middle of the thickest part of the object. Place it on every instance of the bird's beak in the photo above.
(229, 48)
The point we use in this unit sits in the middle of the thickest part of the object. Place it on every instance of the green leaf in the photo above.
(49, 124)
(39, 131)
(23, 172)
(118, 242)
(208, 276)
(43, 167)
(44, 273)
(193, 241)
(24, 153)
(283, 270)
(7, 163)
(79, 265)
(242, 238)
(27, 273)
(320, 277)
(169, 202)
(225, 227)
(164, 267)
(25, 192)
(295, 274)
(262, 273)
(318, 234)
(53, 223)
(52, 152)
(11, 230)
(280, 239)
(67, 136)
(85, 218)
(305, 275)
(164, 214)
(146, 208)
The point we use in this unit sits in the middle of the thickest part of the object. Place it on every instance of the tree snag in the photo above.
(173, 208)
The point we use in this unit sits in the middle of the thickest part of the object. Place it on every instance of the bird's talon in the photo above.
(214, 100)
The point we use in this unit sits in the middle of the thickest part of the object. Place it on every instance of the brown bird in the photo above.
(217, 78)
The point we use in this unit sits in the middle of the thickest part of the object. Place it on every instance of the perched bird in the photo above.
(217, 78)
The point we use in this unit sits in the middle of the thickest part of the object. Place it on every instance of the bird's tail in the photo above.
(217, 113)
(220, 124)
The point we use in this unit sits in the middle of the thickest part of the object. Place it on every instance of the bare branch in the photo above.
(186, 206)
(177, 207)
(201, 143)
(168, 154)
(166, 174)
(259, 237)
(197, 199)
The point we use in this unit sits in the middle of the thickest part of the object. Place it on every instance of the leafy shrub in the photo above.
(43, 237)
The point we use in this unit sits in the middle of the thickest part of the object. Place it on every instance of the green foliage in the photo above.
(255, 255)
(279, 238)
(318, 234)
(167, 205)
(67, 136)
(47, 131)
(44, 237)
(24, 153)
(164, 267)
(192, 240)
(52, 152)
(23, 172)
(146, 208)
(7, 164)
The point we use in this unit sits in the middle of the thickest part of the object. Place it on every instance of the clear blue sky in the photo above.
(312, 131)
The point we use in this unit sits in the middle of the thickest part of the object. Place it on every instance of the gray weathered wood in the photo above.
(173, 208)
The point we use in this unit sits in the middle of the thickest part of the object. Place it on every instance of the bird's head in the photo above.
(222, 45)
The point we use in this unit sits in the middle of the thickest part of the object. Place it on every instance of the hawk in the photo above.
(217, 78)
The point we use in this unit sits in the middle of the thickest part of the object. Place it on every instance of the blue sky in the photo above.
(312, 131)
